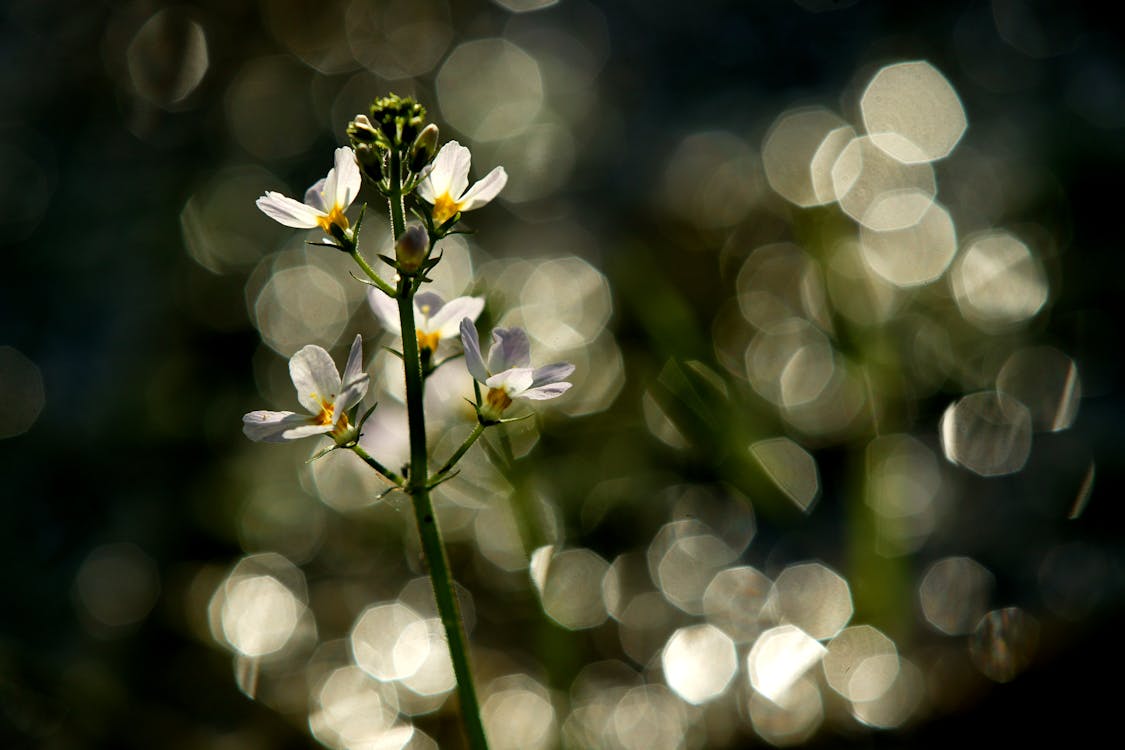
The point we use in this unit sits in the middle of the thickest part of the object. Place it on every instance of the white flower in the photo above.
(445, 183)
(325, 202)
(507, 375)
(434, 320)
(321, 390)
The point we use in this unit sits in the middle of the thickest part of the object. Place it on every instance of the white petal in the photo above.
(544, 392)
(473, 360)
(425, 189)
(353, 393)
(287, 211)
(553, 373)
(450, 173)
(426, 306)
(329, 190)
(306, 430)
(385, 309)
(510, 348)
(348, 179)
(484, 190)
(274, 426)
(447, 321)
(354, 368)
(314, 196)
(315, 377)
(514, 381)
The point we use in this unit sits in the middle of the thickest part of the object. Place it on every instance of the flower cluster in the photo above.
(395, 152)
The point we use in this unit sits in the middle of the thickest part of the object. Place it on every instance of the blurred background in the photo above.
(841, 465)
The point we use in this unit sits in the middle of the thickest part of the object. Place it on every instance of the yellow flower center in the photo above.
(497, 400)
(445, 208)
(327, 412)
(428, 340)
(335, 216)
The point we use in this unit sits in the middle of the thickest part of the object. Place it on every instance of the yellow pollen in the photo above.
(498, 399)
(342, 425)
(327, 411)
(428, 340)
(445, 208)
(335, 216)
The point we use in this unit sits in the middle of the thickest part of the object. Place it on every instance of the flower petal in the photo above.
(353, 393)
(287, 211)
(484, 190)
(328, 194)
(544, 392)
(447, 320)
(510, 348)
(385, 309)
(427, 305)
(348, 179)
(315, 377)
(354, 368)
(514, 381)
(553, 373)
(274, 426)
(314, 196)
(450, 173)
(471, 342)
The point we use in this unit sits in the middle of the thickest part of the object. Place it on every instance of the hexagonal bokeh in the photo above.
(814, 598)
(912, 112)
(699, 662)
(989, 433)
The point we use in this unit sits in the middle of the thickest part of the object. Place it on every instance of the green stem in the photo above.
(428, 531)
(478, 430)
(530, 531)
(371, 273)
(387, 473)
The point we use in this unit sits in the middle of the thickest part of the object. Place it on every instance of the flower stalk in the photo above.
(417, 485)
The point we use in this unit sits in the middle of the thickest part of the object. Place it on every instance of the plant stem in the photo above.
(428, 531)
(371, 273)
(478, 430)
(387, 473)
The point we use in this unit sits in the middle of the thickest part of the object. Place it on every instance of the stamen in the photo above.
(498, 400)
(335, 216)
(428, 340)
(445, 208)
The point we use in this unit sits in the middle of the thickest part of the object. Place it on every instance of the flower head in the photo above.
(325, 202)
(507, 374)
(434, 319)
(445, 183)
(322, 391)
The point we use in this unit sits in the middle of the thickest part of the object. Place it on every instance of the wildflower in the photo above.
(325, 202)
(507, 375)
(322, 391)
(444, 185)
(434, 320)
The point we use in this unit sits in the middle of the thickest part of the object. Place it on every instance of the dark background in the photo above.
(145, 355)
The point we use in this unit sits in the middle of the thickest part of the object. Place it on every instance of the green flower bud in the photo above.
(398, 118)
(424, 148)
(411, 247)
(360, 130)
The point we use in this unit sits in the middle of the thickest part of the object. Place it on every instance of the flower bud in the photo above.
(424, 148)
(398, 118)
(360, 130)
(411, 247)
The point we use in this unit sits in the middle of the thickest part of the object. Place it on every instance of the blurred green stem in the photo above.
(370, 461)
(417, 488)
(478, 430)
(530, 531)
